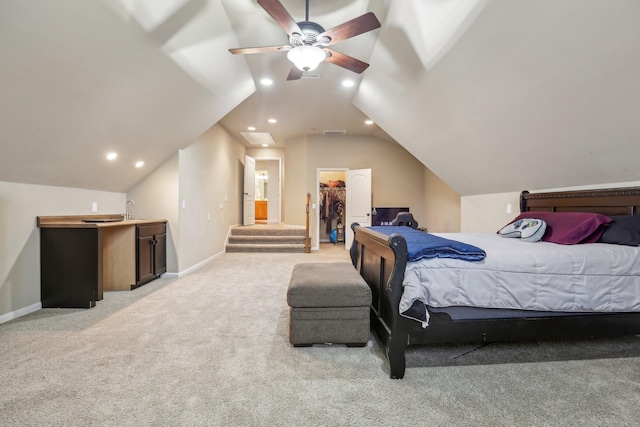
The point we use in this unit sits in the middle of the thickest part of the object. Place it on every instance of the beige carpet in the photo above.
(211, 349)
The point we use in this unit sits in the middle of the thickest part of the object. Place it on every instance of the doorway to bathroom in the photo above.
(268, 192)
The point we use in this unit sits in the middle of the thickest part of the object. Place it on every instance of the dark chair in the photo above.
(405, 219)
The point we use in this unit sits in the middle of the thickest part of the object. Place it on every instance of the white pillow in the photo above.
(527, 229)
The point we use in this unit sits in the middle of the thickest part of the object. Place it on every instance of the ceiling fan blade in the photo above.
(346, 61)
(295, 73)
(356, 26)
(263, 49)
(281, 16)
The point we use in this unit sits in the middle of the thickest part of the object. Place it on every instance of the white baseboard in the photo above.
(20, 312)
(192, 268)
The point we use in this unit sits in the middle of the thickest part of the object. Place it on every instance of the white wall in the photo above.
(156, 197)
(442, 205)
(20, 204)
(296, 185)
(210, 195)
(274, 191)
(486, 213)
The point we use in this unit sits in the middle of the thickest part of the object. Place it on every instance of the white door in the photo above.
(249, 199)
(358, 203)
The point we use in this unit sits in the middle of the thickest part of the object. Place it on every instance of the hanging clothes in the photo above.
(332, 203)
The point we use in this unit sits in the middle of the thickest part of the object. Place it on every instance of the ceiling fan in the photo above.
(309, 41)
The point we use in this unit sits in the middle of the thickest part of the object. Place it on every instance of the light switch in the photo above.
(221, 205)
(184, 204)
(509, 208)
(313, 205)
(94, 207)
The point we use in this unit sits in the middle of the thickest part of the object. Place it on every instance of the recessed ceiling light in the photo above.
(139, 164)
(368, 122)
(348, 83)
(251, 128)
(265, 145)
(272, 121)
(112, 156)
(266, 82)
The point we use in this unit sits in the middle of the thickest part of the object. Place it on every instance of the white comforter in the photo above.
(541, 276)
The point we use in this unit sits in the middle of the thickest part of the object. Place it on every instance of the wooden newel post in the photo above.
(307, 240)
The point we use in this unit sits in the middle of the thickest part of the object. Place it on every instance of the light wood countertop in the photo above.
(91, 221)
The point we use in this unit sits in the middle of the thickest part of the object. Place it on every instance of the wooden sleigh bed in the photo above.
(381, 260)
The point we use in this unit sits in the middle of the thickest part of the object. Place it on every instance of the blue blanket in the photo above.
(423, 245)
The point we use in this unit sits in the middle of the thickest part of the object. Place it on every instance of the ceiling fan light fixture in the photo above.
(306, 58)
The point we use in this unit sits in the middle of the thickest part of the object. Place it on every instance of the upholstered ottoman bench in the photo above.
(329, 303)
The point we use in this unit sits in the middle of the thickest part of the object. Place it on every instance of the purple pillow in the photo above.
(570, 228)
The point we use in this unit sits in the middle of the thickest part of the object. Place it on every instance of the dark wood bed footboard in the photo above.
(381, 260)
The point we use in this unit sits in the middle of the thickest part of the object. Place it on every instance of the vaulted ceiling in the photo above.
(492, 96)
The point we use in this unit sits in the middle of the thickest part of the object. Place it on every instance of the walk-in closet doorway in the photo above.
(351, 202)
(331, 206)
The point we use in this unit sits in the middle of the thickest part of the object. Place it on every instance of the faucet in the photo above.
(127, 215)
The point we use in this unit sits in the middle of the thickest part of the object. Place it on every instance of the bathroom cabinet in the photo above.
(261, 210)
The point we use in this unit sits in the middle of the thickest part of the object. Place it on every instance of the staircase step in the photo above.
(264, 239)
(267, 238)
(267, 231)
(274, 248)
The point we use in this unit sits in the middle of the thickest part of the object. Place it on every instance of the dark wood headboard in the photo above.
(614, 201)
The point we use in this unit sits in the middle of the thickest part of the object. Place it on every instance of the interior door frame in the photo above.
(278, 219)
(248, 187)
(361, 207)
(316, 234)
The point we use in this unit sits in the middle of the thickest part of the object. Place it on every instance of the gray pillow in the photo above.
(624, 230)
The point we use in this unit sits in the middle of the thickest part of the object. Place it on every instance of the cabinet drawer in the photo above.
(145, 230)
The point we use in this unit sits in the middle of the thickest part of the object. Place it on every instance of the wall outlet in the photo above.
(208, 217)
(184, 204)
(94, 207)
(221, 205)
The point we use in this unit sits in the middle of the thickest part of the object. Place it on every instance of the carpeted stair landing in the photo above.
(266, 238)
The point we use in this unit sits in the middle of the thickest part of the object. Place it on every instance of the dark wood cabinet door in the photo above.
(70, 267)
(151, 252)
(160, 254)
(145, 259)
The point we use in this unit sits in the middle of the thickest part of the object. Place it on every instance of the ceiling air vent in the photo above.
(334, 132)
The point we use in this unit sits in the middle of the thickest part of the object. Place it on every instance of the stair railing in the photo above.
(307, 240)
